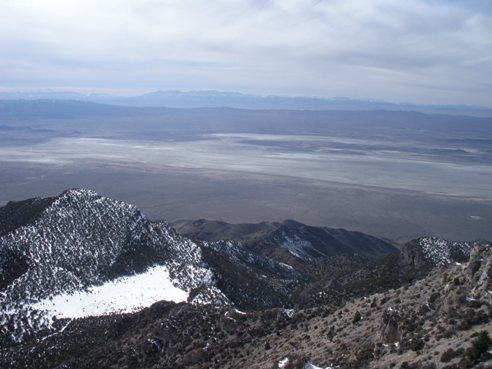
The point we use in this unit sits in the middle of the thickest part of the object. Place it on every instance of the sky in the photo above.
(434, 51)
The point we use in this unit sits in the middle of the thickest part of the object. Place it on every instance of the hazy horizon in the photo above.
(425, 52)
(374, 165)
(23, 93)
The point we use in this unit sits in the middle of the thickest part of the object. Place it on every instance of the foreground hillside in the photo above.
(87, 281)
(441, 321)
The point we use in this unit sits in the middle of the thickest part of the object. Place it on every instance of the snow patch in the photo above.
(295, 245)
(289, 313)
(283, 363)
(286, 265)
(123, 295)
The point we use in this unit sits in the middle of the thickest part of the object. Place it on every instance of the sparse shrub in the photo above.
(434, 297)
(475, 304)
(417, 344)
(410, 325)
(479, 346)
(429, 365)
(417, 365)
(357, 317)
(364, 354)
(450, 354)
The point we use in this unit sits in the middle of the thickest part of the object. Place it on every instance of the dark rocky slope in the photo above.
(440, 321)
(299, 239)
(338, 282)
(79, 240)
(18, 213)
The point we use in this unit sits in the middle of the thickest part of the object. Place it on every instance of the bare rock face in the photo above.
(391, 326)
(428, 252)
(412, 256)
(479, 272)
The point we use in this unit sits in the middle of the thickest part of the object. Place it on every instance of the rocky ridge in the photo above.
(427, 252)
(439, 322)
(287, 277)
(81, 239)
(300, 240)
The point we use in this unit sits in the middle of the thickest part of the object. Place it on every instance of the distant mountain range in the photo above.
(213, 99)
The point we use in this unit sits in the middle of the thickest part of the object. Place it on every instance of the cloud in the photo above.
(424, 51)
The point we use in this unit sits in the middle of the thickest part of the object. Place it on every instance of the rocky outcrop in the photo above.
(427, 252)
(391, 326)
(479, 272)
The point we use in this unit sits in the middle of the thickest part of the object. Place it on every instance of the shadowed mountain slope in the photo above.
(298, 239)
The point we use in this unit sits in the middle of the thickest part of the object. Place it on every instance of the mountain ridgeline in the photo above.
(201, 99)
(80, 263)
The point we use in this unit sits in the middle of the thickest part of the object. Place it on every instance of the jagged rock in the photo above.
(427, 252)
(411, 255)
(479, 272)
(391, 326)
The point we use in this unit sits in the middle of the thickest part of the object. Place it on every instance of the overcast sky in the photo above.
(434, 51)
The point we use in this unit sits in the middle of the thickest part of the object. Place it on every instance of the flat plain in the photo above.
(393, 174)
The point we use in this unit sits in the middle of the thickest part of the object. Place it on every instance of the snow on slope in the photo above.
(76, 242)
(295, 245)
(87, 254)
(441, 252)
(123, 295)
(283, 363)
